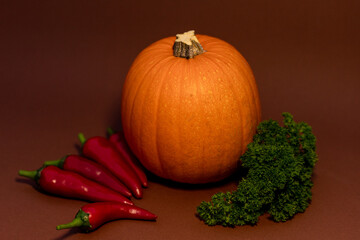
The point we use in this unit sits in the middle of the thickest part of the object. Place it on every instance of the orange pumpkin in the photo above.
(190, 106)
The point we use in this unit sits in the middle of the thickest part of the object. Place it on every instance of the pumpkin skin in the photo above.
(189, 120)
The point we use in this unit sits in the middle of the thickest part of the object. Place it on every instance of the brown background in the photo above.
(62, 66)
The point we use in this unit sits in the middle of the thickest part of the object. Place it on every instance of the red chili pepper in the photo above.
(69, 184)
(119, 142)
(103, 151)
(90, 170)
(93, 215)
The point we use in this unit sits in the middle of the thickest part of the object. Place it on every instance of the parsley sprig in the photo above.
(279, 165)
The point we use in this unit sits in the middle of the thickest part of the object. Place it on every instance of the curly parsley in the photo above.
(279, 165)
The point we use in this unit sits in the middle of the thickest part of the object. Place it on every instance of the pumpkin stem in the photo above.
(187, 45)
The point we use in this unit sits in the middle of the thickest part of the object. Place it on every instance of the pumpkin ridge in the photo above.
(252, 96)
(213, 88)
(163, 78)
(211, 61)
(245, 66)
(148, 71)
(246, 85)
(187, 66)
(219, 47)
(232, 88)
(249, 86)
(253, 88)
(134, 71)
(196, 69)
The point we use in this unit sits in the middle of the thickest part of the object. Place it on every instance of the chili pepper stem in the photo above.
(82, 138)
(29, 174)
(54, 163)
(81, 220)
(77, 222)
(110, 131)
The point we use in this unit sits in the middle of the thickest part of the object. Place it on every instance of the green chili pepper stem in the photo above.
(81, 220)
(28, 174)
(77, 222)
(82, 138)
(58, 163)
(110, 131)
(54, 163)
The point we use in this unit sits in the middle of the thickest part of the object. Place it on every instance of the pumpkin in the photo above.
(189, 107)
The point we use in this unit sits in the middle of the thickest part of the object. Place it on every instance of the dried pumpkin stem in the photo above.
(187, 45)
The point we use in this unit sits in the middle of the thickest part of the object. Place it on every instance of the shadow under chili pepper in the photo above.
(69, 233)
(78, 149)
(34, 185)
(27, 181)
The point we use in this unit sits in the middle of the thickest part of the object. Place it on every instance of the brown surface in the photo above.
(62, 65)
